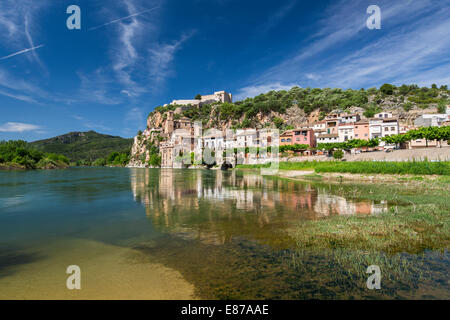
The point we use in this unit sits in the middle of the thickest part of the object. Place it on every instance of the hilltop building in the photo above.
(219, 96)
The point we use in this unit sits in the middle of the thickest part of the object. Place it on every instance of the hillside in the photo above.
(299, 106)
(84, 145)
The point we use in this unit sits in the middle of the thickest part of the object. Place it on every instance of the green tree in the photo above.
(278, 122)
(442, 106)
(387, 89)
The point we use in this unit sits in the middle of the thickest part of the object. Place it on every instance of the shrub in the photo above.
(338, 154)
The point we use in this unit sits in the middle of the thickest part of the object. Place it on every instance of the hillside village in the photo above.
(184, 127)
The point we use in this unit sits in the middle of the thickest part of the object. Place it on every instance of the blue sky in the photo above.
(110, 74)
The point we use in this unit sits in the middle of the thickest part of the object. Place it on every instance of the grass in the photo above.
(365, 167)
(404, 241)
(411, 229)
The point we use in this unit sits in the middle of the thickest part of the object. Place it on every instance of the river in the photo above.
(185, 234)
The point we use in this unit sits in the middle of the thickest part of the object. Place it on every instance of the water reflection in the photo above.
(216, 206)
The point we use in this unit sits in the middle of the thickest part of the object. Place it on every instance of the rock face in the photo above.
(139, 151)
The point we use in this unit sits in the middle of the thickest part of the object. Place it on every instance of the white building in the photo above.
(390, 127)
(431, 120)
(246, 138)
(349, 118)
(213, 139)
(375, 128)
(346, 132)
(219, 96)
(320, 125)
(328, 138)
(383, 115)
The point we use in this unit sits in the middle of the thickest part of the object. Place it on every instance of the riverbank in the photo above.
(363, 167)
(42, 165)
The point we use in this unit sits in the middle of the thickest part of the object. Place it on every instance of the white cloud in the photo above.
(17, 18)
(18, 127)
(21, 52)
(139, 61)
(252, 91)
(123, 18)
(278, 16)
(129, 47)
(312, 76)
(17, 96)
(413, 44)
(95, 87)
(161, 58)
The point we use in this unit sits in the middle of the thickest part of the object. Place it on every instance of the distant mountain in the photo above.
(84, 145)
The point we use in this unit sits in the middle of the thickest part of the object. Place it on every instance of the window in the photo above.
(356, 135)
(288, 140)
(392, 128)
(386, 128)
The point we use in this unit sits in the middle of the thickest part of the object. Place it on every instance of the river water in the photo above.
(182, 234)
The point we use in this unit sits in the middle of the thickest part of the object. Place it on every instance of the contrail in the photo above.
(117, 20)
(22, 51)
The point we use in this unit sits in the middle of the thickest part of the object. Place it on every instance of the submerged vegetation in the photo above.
(365, 167)
(18, 154)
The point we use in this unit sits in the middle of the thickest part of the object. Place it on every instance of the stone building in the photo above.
(219, 96)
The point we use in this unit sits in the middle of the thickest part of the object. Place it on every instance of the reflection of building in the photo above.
(216, 205)
(328, 205)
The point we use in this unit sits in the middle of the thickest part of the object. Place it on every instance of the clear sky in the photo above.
(110, 74)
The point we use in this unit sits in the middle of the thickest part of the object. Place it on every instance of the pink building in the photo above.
(304, 136)
(298, 136)
(362, 130)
